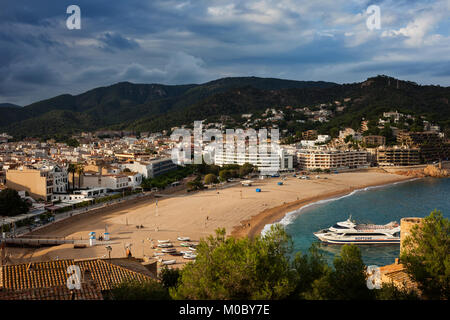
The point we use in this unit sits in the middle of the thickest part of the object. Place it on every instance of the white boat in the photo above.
(163, 241)
(186, 252)
(184, 239)
(184, 244)
(158, 254)
(169, 250)
(192, 248)
(165, 245)
(190, 256)
(349, 232)
(166, 262)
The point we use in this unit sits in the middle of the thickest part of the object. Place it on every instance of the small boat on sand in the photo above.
(184, 244)
(192, 248)
(165, 245)
(189, 256)
(163, 241)
(169, 250)
(184, 239)
(166, 262)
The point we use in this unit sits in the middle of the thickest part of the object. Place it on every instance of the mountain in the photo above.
(154, 107)
(9, 105)
(122, 104)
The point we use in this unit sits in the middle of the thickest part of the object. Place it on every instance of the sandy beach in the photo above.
(240, 210)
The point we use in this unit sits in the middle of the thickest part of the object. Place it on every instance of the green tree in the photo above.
(210, 178)
(348, 279)
(310, 267)
(11, 204)
(139, 290)
(239, 268)
(72, 142)
(80, 171)
(170, 277)
(245, 169)
(224, 175)
(426, 257)
(389, 291)
(72, 169)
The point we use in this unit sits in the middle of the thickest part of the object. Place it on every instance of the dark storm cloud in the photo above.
(187, 41)
(112, 41)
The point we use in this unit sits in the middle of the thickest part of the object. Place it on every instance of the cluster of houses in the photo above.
(111, 162)
(54, 175)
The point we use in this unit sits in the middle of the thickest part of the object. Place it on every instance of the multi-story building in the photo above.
(134, 179)
(398, 156)
(267, 163)
(151, 169)
(40, 182)
(432, 146)
(112, 182)
(374, 140)
(311, 159)
(310, 135)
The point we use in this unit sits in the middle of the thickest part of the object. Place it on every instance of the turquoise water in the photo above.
(378, 205)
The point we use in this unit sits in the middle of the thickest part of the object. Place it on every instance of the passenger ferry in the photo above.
(348, 232)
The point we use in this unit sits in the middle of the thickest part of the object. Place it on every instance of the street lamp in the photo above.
(109, 249)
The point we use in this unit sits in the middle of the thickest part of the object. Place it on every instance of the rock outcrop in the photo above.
(429, 171)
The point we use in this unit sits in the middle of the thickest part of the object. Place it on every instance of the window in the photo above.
(336, 226)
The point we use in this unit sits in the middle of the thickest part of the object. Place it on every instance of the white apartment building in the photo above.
(311, 159)
(268, 163)
(112, 182)
(320, 139)
(151, 169)
(134, 179)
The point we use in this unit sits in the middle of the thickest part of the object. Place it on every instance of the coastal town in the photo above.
(224, 159)
(83, 194)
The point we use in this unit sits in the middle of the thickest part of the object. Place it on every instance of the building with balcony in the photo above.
(398, 156)
(38, 182)
(311, 159)
(375, 141)
(151, 169)
(267, 163)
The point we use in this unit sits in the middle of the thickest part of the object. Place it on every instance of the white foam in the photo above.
(290, 216)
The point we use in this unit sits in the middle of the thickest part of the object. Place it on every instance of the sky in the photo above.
(195, 41)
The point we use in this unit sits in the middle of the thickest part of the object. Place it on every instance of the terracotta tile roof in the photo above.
(108, 275)
(35, 275)
(48, 279)
(89, 291)
(396, 274)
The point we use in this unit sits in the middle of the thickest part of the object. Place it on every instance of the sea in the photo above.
(379, 205)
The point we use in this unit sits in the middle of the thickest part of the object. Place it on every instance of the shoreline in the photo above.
(197, 215)
(254, 226)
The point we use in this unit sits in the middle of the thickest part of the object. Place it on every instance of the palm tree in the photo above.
(80, 171)
(72, 169)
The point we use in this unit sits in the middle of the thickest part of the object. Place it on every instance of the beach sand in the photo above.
(240, 210)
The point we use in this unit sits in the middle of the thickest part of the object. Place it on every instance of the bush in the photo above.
(137, 290)
(210, 179)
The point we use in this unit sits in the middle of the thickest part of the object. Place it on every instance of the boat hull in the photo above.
(363, 240)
